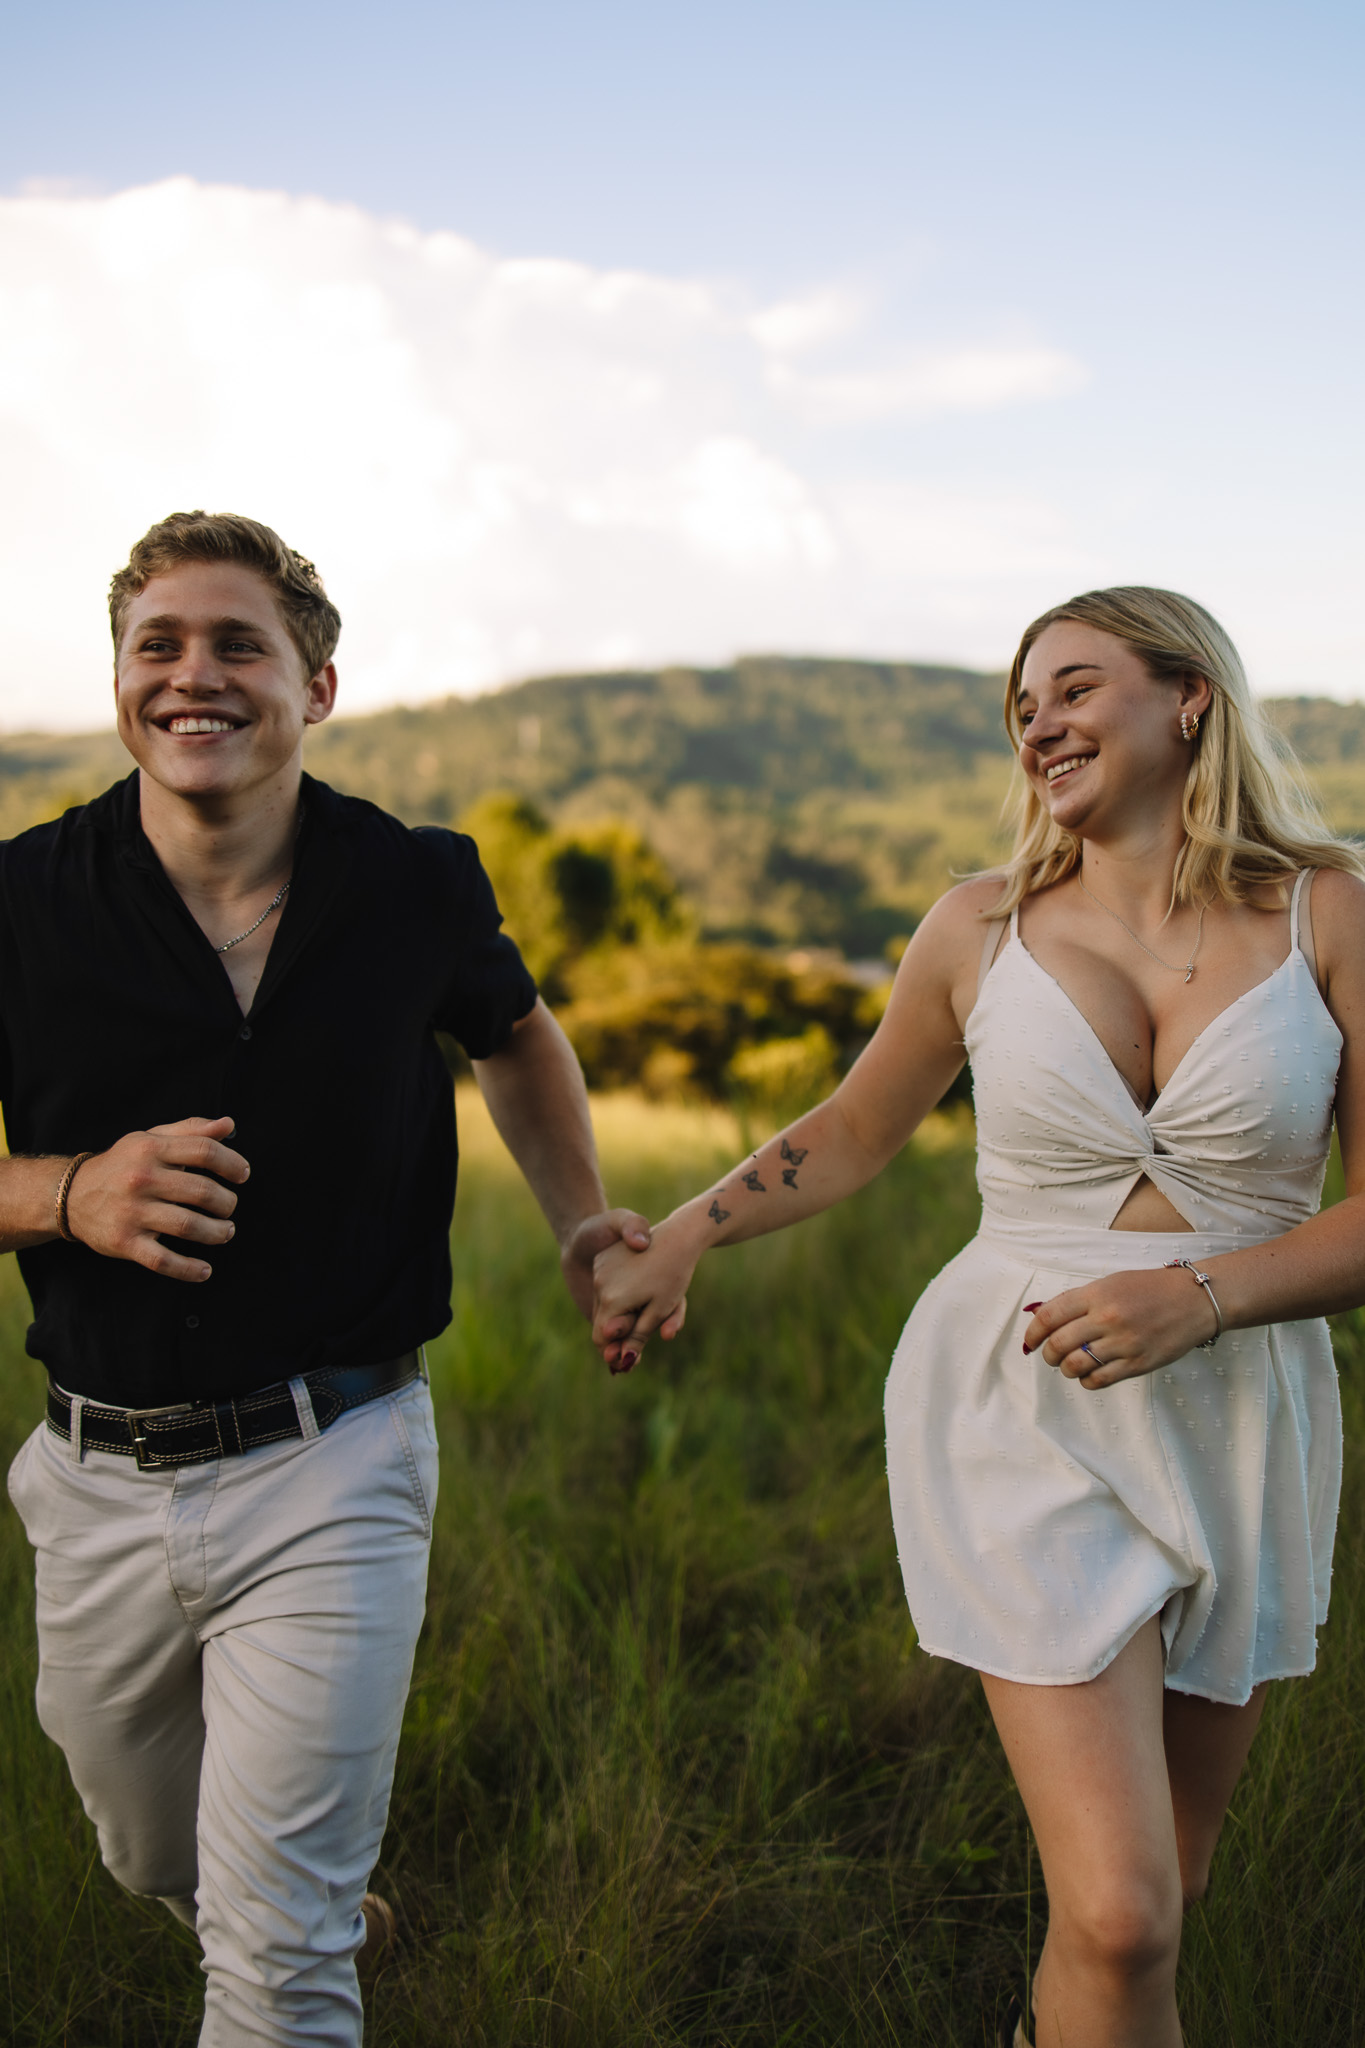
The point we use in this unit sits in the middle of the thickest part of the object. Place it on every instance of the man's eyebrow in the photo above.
(168, 622)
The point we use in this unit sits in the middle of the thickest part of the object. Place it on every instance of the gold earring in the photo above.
(1189, 725)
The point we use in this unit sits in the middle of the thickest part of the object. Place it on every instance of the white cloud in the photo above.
(962, 380)
(499, 465)
(795, 325)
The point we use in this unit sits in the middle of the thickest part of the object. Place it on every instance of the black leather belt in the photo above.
(193, 1432)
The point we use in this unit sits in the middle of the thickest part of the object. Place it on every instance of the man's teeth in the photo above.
(1056, 768)
(200, 725)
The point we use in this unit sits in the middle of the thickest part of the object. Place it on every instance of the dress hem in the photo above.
(1174, 1683)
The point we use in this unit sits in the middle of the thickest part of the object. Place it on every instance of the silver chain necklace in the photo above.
(278, 900)
(1187, 970)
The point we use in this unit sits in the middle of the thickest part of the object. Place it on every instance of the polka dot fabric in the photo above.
(1040, 1525)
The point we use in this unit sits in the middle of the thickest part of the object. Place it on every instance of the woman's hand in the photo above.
(638, 1292)
(1133, 1323)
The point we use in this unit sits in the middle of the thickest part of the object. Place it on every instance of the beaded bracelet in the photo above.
(1202, 1280)
(64, 1230)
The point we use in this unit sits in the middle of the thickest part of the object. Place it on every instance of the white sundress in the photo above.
(1040, 1525)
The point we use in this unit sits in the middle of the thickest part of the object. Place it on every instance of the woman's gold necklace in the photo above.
(1187, 970)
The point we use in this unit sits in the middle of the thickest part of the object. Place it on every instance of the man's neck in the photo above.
(218, 849)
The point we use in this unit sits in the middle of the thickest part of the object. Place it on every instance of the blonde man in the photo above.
(231, 1190)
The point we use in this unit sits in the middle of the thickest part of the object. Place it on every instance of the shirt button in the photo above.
(245, 1031)
(191, 1322)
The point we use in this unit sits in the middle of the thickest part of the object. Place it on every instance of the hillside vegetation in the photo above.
(687, 855)
(796, 802)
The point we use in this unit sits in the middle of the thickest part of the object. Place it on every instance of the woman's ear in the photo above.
(1196, 694)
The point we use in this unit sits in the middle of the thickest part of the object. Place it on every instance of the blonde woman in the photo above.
(1113, 1435)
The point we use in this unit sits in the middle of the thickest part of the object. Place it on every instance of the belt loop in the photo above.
(422, 1365)
(303, 1408)
(75, 1450)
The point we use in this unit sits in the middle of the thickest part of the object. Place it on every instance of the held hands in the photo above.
(641, 1291)
(1133, 1323)
(155, 1184)
(593, 1235)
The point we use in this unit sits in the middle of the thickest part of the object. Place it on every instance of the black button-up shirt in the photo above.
(117, 1014)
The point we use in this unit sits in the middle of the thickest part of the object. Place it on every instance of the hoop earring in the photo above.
(1189, 725)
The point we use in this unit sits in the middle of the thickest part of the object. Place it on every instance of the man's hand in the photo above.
(592, 1236)
(154, 1184)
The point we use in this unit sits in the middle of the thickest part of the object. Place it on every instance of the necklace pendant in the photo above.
(1189, 974)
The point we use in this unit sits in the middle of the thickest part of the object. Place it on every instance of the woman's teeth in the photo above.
(1056, 768)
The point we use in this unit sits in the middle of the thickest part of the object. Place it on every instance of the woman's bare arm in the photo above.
(823, 1156)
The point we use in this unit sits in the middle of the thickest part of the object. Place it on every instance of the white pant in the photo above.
(224, 1655)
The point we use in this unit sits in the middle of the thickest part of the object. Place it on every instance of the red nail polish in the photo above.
(1027, 1353)
(1030, 1306)
(629, 1359)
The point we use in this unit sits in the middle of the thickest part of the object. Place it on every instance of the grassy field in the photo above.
(673, 1769)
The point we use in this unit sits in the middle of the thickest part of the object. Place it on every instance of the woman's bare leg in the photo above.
(1206, 1747)
(1090, 1762)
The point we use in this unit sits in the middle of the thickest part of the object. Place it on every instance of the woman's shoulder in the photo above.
(1337, 909)
(967, 906)
(949, 939)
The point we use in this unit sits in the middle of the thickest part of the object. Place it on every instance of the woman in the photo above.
(1112, 1424)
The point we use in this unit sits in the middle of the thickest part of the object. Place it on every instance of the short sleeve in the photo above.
(489, 988)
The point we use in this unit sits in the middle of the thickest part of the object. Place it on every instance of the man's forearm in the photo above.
(536, 1096)
(28, 1201)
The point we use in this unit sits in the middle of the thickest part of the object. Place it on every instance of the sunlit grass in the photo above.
(673, 1770)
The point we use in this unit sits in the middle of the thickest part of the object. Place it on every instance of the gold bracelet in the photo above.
(64, 1230)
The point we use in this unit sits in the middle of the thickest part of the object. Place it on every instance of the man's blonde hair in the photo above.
(313, 621)
(1249, 817)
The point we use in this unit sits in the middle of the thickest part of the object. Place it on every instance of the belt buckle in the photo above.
(132, 1416)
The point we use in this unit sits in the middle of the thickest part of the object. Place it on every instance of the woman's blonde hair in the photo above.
(1249, 817)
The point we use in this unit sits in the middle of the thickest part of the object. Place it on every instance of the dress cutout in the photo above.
(1040, 1525)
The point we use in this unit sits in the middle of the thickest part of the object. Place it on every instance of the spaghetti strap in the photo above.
(1014, 922)
(1294, 946)
(990, 946)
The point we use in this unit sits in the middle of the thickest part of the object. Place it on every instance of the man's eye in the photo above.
(240, 647)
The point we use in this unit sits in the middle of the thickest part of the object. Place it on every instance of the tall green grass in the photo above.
(673, 1770)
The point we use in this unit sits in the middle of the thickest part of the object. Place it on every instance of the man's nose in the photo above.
(197, 671)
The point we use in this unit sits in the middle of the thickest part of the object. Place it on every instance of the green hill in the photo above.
(798, 802)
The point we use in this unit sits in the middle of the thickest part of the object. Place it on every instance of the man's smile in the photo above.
(183, 724)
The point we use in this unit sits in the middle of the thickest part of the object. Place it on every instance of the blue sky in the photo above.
(1081, 291)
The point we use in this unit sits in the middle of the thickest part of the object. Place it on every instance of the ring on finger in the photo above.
(1090, 1354)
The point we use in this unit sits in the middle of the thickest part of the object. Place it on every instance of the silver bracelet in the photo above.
(1202, 1280)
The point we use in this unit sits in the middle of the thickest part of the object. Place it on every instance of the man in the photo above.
(231, 1186)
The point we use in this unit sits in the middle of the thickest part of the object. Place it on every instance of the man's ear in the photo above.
(322, 695)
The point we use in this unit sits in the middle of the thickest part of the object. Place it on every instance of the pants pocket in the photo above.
(18, 1471)
(415, 1428)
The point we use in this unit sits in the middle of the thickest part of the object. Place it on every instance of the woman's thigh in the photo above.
(1090, 1764)
(1207, 1744)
